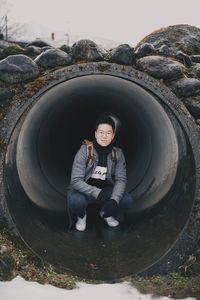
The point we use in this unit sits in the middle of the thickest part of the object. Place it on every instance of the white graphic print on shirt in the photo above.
(99, 173)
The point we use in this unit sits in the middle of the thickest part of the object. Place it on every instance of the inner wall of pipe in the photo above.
(65, 116)
(160, 176)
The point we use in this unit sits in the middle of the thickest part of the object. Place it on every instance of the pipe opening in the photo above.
(61, 119)
(159, 163)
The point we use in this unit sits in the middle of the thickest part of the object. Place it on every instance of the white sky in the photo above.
(19, 289)
(126, 21)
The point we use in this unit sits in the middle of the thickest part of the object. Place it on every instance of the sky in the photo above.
(126, 21)
(19, 289)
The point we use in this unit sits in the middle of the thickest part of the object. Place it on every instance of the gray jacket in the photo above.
(116, 173)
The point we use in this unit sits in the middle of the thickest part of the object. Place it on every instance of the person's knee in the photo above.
(78, 203)
(126, 202)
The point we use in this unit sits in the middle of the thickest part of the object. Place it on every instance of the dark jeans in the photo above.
(78, 203)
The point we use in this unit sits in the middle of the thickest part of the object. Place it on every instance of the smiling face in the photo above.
(104, 134)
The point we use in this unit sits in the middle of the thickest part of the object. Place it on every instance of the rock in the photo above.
(183, 58)
(193, 105)
(17, 68)
(53, 58)
(46, 48)
(195, 58)
(13, 50)
(2, 56)
(87, 50)
(181, 37)
(198, 121)
(4, 267)
(144, 50)
(6, 264)
(195, 268)
(161, 67)
(32, 51)
(166, 51)
(123, 54)
(191, 43)
(5, 44)
(196, 70)
(186, 87)
(5, 95)
(65, 48)
(3, 249)
(38, 43)
(197, 253)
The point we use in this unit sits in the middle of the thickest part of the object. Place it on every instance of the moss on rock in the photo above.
(172, 285)
(13, 50)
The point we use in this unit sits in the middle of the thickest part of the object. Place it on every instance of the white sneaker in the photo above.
(112, 222)
(81, 223)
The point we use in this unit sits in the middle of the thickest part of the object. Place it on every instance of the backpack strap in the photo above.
(90, 149)
(90, 155)
(114, 155)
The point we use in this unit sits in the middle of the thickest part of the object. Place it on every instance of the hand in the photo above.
(109, 209)
(105, 194)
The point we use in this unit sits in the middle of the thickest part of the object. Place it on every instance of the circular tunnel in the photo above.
(161, 169)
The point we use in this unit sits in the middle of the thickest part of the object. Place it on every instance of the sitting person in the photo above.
(99, 176)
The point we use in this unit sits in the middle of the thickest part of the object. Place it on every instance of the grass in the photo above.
(173, 285)
(17, 259)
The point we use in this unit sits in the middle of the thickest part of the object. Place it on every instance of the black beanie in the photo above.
(105, 119)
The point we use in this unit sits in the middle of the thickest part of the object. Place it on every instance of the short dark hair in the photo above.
(105, 119)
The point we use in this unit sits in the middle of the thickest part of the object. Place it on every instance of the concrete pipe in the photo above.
(160, 142)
